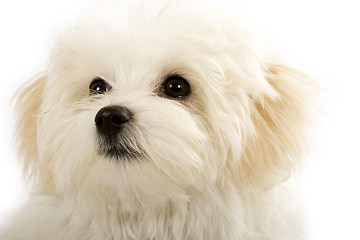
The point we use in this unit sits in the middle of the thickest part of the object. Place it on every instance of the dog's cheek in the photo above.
(177, 142)
(225, 117)
(67, 144)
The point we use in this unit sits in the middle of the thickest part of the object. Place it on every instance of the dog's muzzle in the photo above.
(116, 140)
(111, 120)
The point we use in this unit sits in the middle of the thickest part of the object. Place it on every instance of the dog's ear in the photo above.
(28, 101)
(280, 123)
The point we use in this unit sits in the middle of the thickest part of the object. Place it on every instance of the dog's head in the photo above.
(154, 105)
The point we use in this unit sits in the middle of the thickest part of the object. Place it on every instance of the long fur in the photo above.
(215, 162)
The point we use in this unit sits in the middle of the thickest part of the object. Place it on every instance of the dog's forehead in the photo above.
(123, 50)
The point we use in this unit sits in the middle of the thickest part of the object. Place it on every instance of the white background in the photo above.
(319, 37)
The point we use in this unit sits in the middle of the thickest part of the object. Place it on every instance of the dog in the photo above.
(162, 120)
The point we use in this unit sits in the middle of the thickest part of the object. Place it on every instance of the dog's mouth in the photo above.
(119, 150)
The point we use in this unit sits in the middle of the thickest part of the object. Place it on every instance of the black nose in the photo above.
(111, 119)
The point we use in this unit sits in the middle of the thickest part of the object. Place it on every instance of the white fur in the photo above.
(215, 162)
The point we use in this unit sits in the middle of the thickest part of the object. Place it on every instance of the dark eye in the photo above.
(176, 87)
(99, 86)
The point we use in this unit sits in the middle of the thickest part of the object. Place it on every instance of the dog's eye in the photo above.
(176, 87)
(99, 86)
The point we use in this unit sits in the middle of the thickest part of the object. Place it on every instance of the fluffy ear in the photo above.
(27, 106)
(280, 128)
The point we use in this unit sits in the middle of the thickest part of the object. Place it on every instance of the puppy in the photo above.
(163, 120)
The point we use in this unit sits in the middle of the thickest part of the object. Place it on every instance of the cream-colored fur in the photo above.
(214, 164)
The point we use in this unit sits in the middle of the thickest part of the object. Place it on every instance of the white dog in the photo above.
(169, 121)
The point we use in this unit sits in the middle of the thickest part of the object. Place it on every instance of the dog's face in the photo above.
(156, 106)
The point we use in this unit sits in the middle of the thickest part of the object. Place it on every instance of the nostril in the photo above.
(117, 120)
(99, 120)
